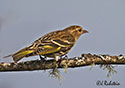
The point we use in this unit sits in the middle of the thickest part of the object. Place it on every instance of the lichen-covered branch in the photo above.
(84, 60)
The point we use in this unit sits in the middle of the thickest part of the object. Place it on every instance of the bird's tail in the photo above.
(20, 54)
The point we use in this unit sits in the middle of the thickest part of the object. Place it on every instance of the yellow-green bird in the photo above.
(54, 44)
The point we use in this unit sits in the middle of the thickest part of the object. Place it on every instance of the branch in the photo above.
(84, 60)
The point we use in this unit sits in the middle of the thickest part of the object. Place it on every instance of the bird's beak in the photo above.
(85, 31)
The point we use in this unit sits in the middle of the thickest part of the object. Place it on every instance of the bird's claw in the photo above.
(42, 58)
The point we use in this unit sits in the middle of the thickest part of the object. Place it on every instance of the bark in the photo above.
(83, 60)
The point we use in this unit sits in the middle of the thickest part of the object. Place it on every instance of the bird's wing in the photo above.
(52, 43)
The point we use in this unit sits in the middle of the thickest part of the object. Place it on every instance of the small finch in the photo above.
(54, 44)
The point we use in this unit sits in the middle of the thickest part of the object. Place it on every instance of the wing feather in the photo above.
(50, 44)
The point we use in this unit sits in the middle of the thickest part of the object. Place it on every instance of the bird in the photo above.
(54, 44)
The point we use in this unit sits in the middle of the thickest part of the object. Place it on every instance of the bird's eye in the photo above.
(80, 30)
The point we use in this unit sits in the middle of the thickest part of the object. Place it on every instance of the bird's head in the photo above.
(76, 31)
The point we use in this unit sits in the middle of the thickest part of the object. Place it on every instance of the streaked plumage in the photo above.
(57, 43)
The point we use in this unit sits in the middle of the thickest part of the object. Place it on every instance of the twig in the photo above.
(84, 60)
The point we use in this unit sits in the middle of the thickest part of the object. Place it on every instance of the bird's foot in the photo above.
(64, 57)
(42, 58)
